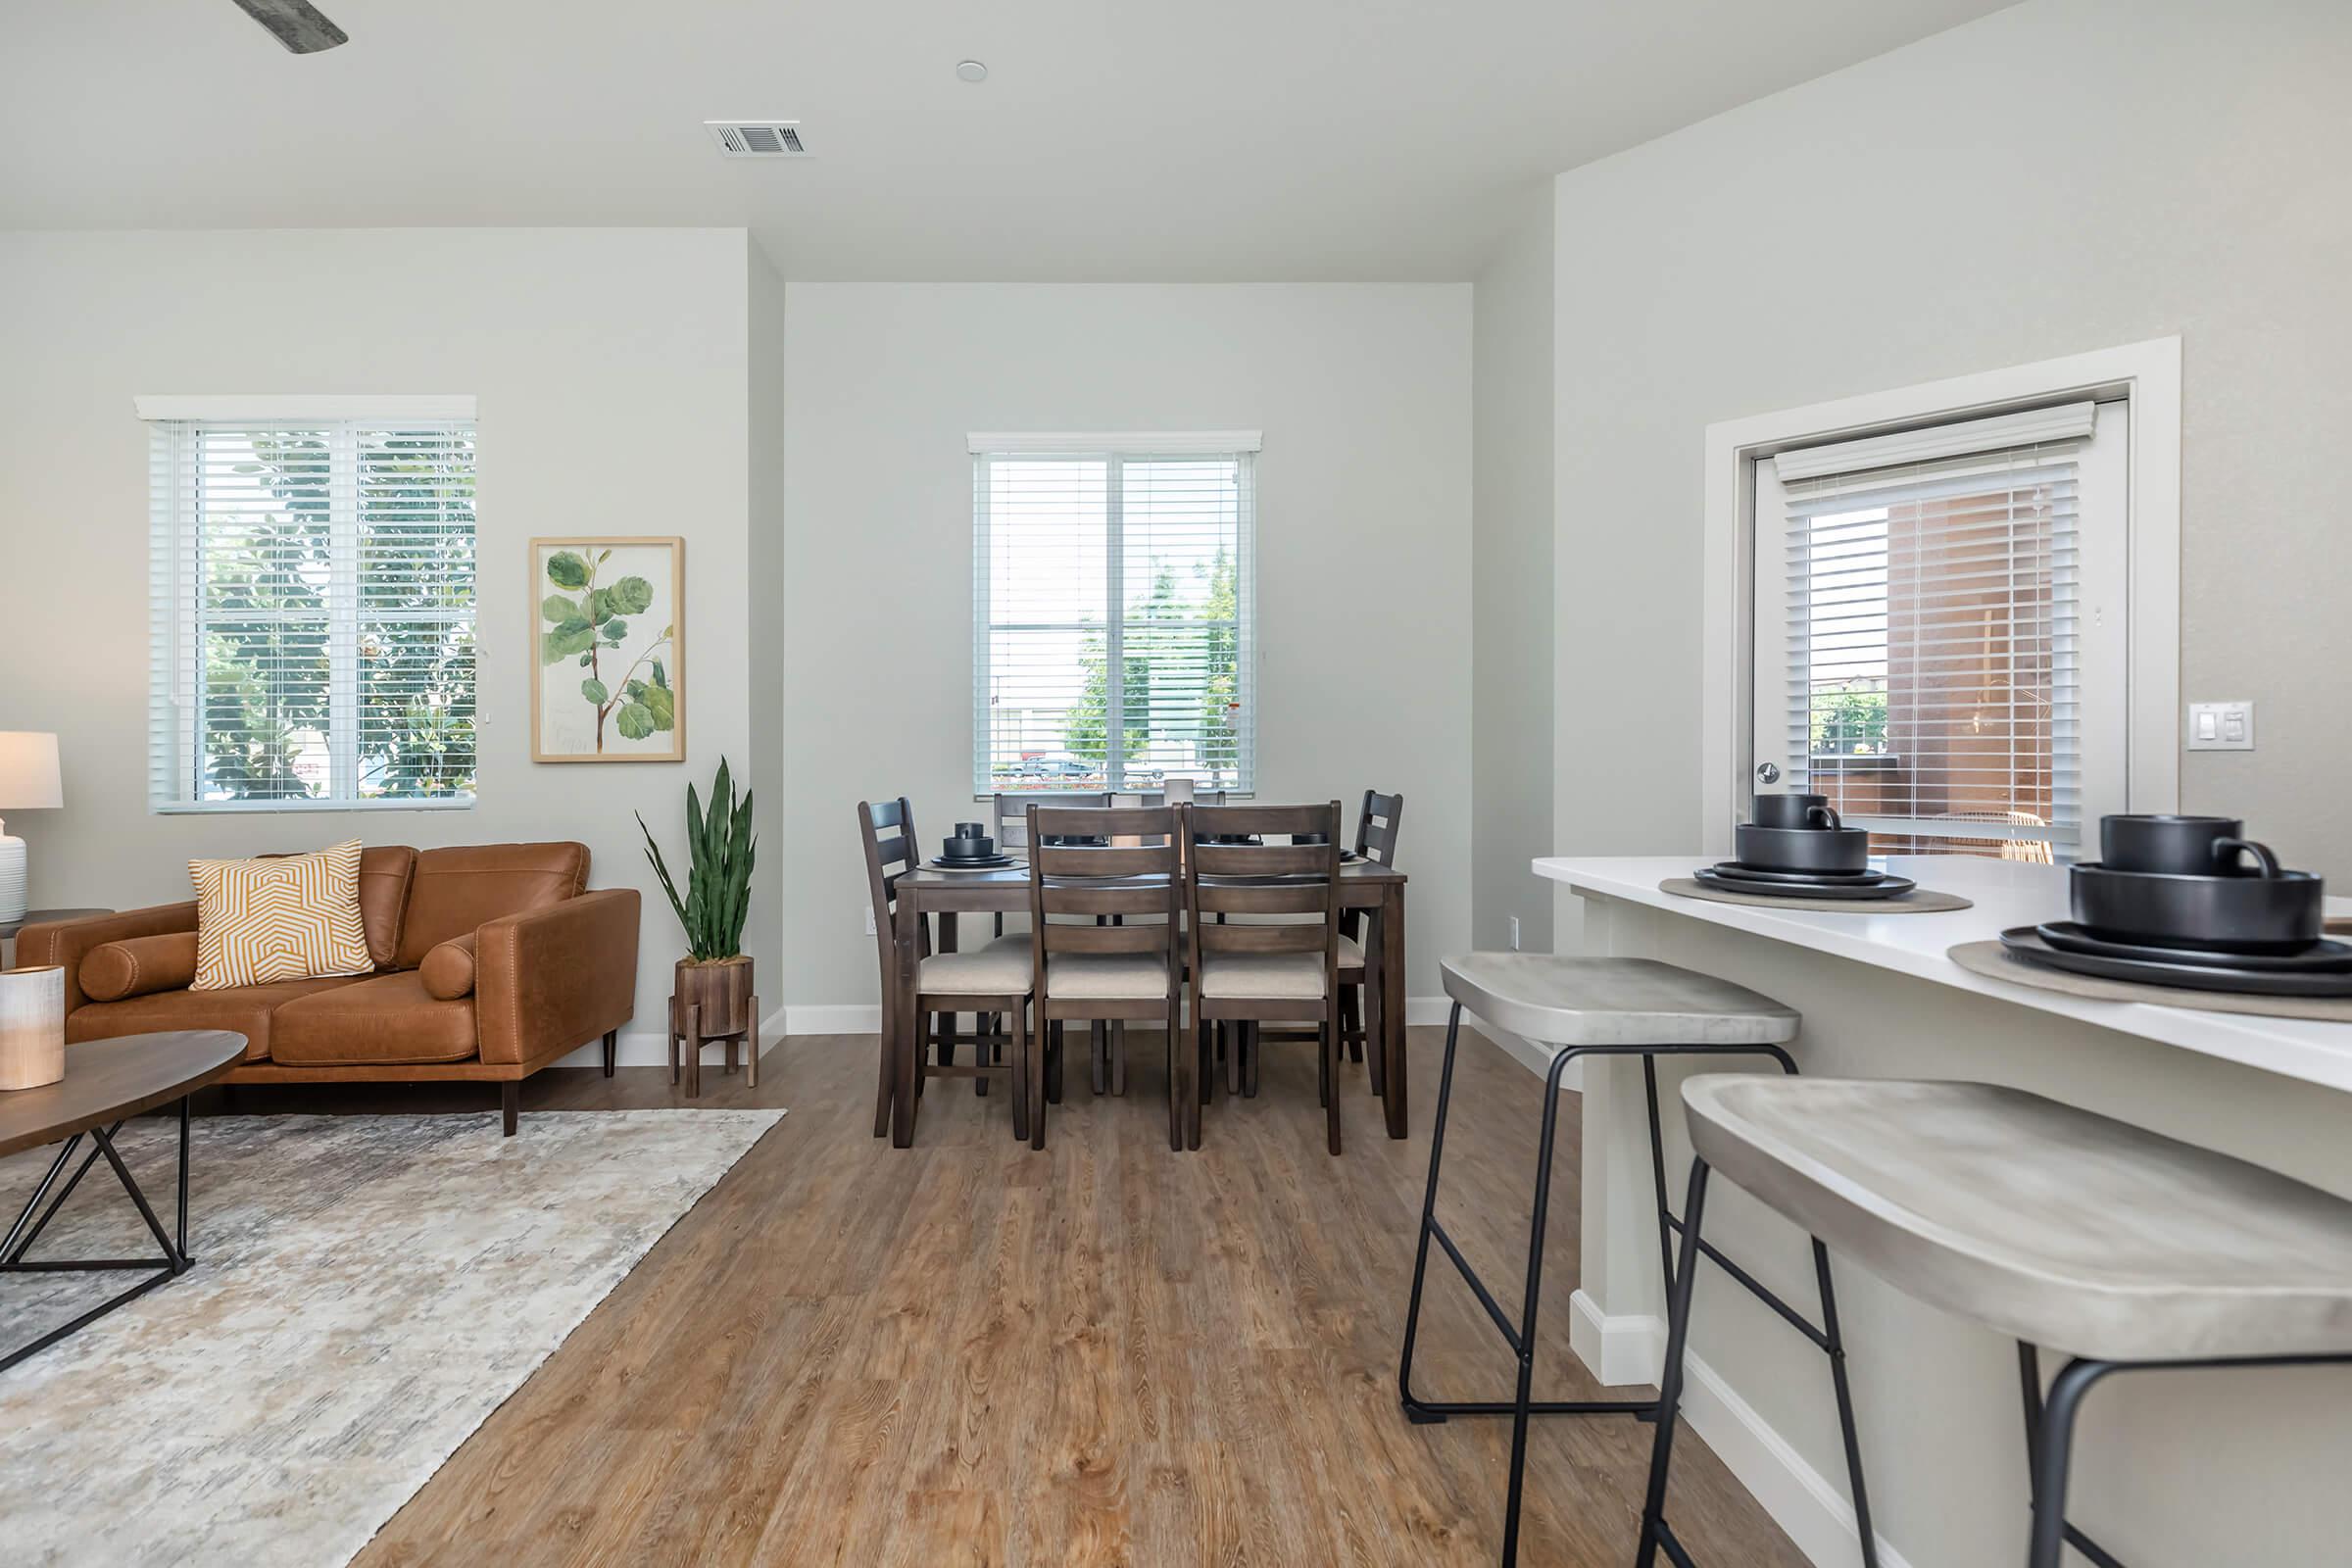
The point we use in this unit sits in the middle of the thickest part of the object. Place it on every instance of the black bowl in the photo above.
(2220, 914)
(2182, 846)
(963, 848)
(1793, 808)
(1804, 848)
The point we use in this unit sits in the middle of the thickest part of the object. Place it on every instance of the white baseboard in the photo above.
(833, 1018)
(644, 1048)
(1618, 1351)
(1801, 1500)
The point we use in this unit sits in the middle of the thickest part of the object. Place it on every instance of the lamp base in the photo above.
(12, 879)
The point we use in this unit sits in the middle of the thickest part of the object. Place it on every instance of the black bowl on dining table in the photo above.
(2273, 910)
(1832, 851)
(969, 842)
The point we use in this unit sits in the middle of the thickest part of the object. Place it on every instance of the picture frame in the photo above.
(607, 649)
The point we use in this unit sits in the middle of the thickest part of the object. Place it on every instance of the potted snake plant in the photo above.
(712, 995)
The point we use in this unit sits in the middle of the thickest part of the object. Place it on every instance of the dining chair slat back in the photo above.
(1072, 888)
(886, 859)
(1283, 962)
(1376, 826)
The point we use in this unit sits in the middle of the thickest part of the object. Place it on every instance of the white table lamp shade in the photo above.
(30, 781)
(28, 774)
(33, 1027)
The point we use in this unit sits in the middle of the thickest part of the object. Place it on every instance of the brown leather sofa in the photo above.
(491, 962)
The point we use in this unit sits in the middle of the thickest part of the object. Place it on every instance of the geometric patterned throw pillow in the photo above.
(292, 919)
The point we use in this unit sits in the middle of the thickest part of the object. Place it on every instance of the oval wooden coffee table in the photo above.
(107, 1081)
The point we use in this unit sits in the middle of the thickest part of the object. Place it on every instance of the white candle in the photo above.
(33, 1027)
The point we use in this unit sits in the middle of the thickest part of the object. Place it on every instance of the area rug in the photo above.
(366, 1291)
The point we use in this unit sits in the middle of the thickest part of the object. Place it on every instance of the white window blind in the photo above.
(1111, 615)
(1929, 602)
(311, 614)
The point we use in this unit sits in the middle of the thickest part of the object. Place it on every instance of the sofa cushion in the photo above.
(385, 1020)
(293, 917)
(138, 966)
(453, 891)
(248, 1010)
(386, 871)
(448, 969)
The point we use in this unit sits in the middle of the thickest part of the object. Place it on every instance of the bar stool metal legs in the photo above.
(2050, 1436)
(1521, 1337)
(1656, 1534)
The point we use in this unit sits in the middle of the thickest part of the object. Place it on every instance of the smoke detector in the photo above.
(758, 138)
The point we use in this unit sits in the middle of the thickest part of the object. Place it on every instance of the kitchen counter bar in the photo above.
(2177, 1468)
(2007, 893)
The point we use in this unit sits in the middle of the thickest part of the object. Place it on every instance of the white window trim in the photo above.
(1129, 444)
(165, 657)
(2147, 373)
(229, 407)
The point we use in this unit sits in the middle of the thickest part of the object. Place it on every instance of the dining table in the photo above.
(1365, 885)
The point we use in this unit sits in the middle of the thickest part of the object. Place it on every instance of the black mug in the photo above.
(1794, 809)
(2179, 846)
(971, 830)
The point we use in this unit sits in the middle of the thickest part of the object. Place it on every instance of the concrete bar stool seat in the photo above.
(2049, 1225)
(1582, 1008)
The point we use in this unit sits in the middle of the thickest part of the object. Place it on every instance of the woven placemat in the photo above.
(1993, 959)
(1919, 901)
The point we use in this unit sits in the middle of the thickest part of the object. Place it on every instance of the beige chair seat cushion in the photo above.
(1107, 977)
(1352, 954)
(1612, 1001)
(248, 1010)
(385, 1021)
(1261, 976)
(999, 970)
(2047, 1224)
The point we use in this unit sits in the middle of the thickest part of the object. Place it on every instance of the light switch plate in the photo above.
(1514, 933)
(2221, 726)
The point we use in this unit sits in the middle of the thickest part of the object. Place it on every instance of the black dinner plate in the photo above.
(2321, 957)
(1891, 888)
(1758, 873)
(2026, 942)
(979, 863)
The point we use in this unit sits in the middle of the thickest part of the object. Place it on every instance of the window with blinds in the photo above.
(1111, 611)
(312, 605)
(1926, 655)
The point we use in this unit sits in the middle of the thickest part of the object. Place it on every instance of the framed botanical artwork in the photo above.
(608, 641)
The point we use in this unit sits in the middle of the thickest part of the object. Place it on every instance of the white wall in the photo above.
(764, 614)
(611, 368)
(1364, 559)
(2065, 176)
(1511, 611)
(2060, 176)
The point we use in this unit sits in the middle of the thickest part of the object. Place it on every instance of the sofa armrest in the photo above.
(67, 943)
(556, 978)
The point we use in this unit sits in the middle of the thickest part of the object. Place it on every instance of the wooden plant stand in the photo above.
(713, 1001)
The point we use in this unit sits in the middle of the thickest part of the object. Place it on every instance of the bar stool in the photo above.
(1600, 1007)
(2047, 1224)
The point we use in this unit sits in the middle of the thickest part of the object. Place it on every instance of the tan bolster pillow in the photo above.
(448, 970)
(137, 966)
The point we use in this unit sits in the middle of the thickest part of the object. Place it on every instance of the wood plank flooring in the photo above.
(1101, 1353)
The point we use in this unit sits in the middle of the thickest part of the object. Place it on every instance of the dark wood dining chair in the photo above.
(1131, 968)
(1375, 841)
(1283, 962)
(990, 983)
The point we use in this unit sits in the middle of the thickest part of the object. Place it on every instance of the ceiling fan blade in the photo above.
(296, 23)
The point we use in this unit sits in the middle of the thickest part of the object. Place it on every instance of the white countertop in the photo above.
(2007, 893)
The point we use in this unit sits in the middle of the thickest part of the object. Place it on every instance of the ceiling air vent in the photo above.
(758, 138)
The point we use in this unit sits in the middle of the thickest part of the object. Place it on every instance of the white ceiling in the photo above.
(1114, 139)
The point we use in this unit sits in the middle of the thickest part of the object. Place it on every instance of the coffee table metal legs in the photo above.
(169, 1265)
